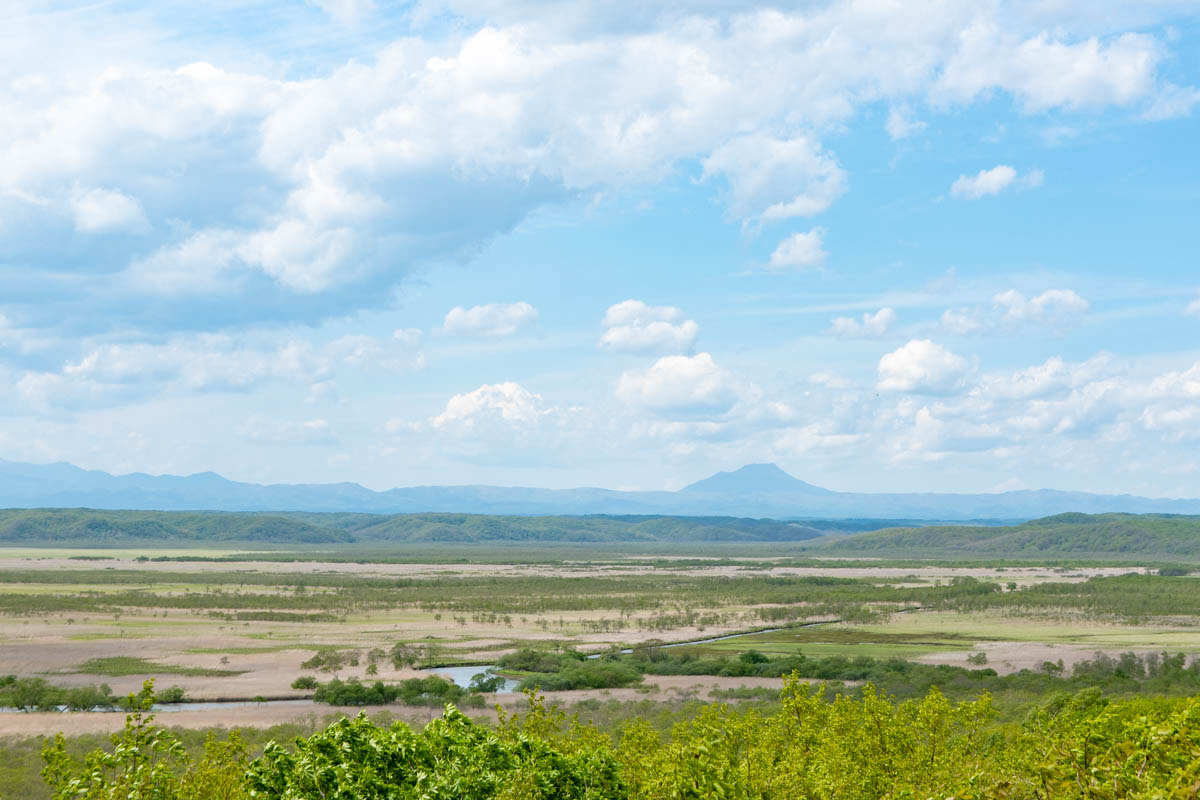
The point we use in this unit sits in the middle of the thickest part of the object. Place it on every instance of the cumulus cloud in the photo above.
(922, 367)
(871, 326)
(901, 124)
(800, 251)
(507, 403)
(993, 181)
(1045, 72)
(493, 319)
(107, 211)
(772, 179)
(1173, 101)
(680, 386)
(502, 423)
(635, 312)
(1054, 412)
(631, 326)
(1012, 312)
(120, 373)
(314, 197)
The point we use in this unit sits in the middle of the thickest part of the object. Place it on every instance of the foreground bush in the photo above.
(148, 763)
(1074, 747)
(451, 758)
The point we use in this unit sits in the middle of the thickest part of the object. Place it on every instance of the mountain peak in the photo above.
(754, 478)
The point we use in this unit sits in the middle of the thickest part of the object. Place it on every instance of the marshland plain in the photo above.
(227, 625)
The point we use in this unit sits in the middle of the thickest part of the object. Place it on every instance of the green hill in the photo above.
(1062, 534)
(82, 526)
(597, 528)
(85, 526)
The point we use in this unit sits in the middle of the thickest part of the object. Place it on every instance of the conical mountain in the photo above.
(754, 479)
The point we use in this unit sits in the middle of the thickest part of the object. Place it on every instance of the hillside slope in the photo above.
(490, 528)
(103, 527)
(80, 526)
(1062, 534)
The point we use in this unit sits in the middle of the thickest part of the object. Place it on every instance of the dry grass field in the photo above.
(241, 630)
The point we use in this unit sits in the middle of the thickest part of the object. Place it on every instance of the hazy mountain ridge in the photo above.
(757, 490)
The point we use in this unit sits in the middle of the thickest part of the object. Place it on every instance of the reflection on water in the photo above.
(461, 676)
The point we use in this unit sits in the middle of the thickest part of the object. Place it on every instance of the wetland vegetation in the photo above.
(633, 645)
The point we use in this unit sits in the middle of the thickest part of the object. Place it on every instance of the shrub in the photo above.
(172, 694)
(451, 758)
(594, 674)
(486, 682)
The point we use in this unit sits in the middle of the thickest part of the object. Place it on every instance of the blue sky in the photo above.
(890, 246)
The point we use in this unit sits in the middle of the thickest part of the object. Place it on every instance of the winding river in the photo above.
(459, 675)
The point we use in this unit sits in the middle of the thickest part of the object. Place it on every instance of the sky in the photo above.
(888, 245)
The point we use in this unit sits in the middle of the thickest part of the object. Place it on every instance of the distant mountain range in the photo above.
(756, 490)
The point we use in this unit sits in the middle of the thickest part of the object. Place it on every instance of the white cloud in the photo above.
(271, 430)
(121, 373)
(986, 182)
(1045, 72)
(346, 12)
(1173, 101)
(634, 327)
(409, 337)
(872, 326)
(800, 251)
(655, 337)
(107, 211)
(680, 386)
(922, 367)
(635, 312)
(494, 319)
(504, 424)
(1193, 308)
(774, 179)
(332, 188)
(830, 380)
(1040, 380)
(1011, 312)
(1046, 308)
(900, 123)
(508, 403)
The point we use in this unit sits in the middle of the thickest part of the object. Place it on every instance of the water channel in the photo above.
(459, 675)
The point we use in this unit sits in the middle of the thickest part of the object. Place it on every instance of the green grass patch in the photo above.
(831, 641)
(119, 666)
(249, 651)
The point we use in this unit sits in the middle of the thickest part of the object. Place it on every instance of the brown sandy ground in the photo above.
(264, 715)
(1022, 575)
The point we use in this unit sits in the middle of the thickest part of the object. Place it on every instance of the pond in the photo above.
(461, 676)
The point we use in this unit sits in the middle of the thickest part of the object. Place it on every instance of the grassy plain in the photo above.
(229, 625)
(224, 628)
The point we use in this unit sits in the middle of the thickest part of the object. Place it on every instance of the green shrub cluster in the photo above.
(1073, 747)
(37, 694)
(553, 672)
(428, 691)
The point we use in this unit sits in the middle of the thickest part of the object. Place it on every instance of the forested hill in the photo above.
(1062, 534)
(104, 527)
(84, 526)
